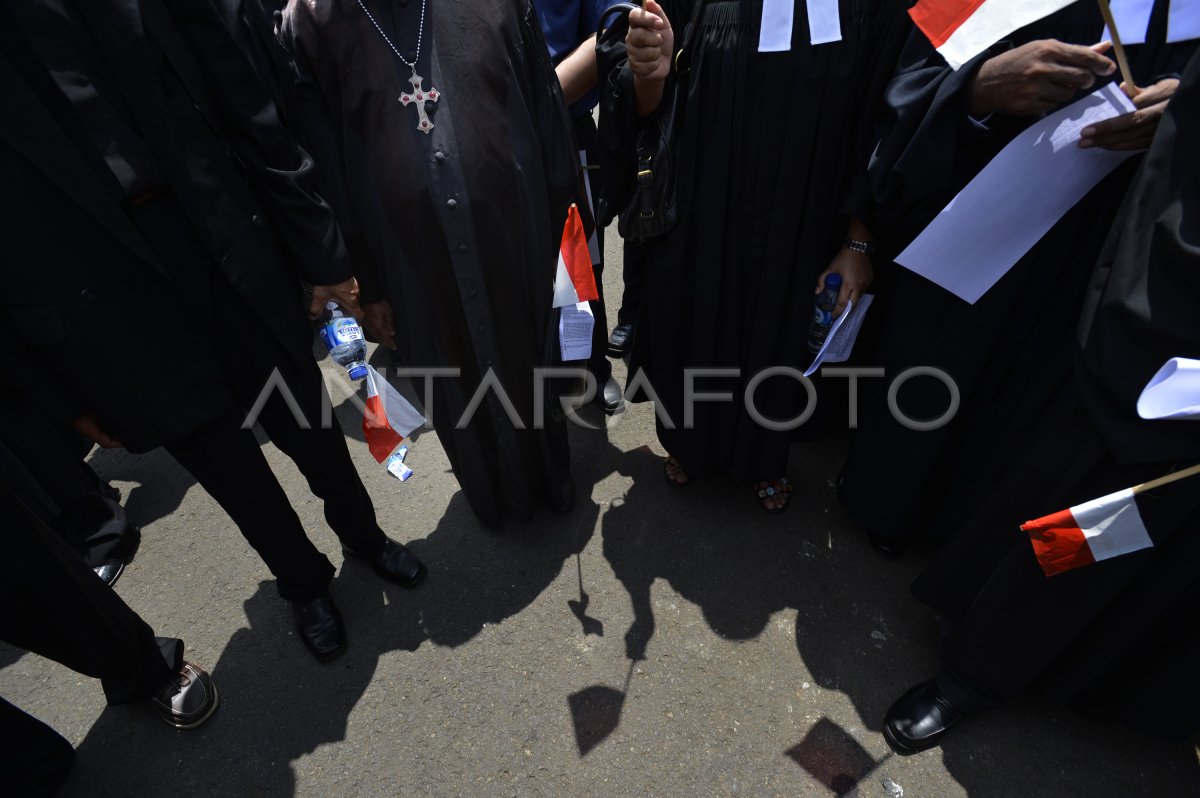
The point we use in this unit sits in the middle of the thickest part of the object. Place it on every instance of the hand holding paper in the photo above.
(1134, 130)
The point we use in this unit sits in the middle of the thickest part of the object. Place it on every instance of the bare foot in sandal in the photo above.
(674, 472)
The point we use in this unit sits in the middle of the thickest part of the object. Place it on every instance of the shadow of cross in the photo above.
(833, 757)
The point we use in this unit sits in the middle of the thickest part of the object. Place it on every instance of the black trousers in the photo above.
(224, 457)
(56, 607)
(227, 462)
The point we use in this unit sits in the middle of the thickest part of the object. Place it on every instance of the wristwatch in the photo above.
(862, 247)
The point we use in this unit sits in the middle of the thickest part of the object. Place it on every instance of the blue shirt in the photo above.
(565, 24)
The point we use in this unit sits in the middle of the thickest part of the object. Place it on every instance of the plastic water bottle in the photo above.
(344, 338)
(822, 318)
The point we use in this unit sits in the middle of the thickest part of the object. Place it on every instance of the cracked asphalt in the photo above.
(772, 646)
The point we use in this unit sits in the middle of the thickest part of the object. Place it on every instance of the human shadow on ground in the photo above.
(161, 481)
(278, 704)
(858, 631)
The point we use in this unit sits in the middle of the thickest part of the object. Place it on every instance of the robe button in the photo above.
(88, 296)
(462, 247)
(481, 327)
(439, 156)
(451, 203)
(256, 220)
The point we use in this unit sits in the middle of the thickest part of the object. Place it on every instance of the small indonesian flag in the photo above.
(574, 282)
(389, 417)
(962, 29)
(1097, 530)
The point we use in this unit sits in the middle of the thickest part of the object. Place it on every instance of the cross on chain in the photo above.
(419, 96)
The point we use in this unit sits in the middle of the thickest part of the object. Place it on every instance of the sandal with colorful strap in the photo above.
(769, 490)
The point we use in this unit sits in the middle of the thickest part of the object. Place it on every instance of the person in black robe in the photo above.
(154, 263)
(454, 223)
(770, 160)
(1008, 352)
(1119, 637)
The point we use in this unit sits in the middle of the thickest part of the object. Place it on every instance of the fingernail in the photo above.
(1087, 132)
(1085, 143)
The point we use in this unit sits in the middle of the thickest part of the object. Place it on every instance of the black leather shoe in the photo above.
(621, 340)
(609, 397)
(321, 627)
(111, 570)
(395, 564)
(920, 719)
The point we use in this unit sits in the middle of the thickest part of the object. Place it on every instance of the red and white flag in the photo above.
(574, 282)
(962, 29)
(389, 417)
(1097, 530)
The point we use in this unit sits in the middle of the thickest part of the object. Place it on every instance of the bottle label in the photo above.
(342, 331)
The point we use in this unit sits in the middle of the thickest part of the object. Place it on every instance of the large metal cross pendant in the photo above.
(419, 96)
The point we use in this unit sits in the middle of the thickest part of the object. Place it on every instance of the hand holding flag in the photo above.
(1037, 77)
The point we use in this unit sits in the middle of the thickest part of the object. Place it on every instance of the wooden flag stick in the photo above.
(1118, 48)
(1168, 479)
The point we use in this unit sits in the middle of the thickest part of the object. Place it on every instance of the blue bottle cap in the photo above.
(833, 281)
(358, 372)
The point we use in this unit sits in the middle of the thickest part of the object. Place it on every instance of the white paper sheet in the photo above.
(842, 335)
(775, 29)
(1174, 392)
(1016, 199)
(1183, 21)
(824, 21)
(575, 331)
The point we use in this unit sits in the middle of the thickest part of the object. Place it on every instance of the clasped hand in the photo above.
(650, 42)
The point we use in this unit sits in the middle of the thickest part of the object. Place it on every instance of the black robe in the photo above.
(771, 164)
(1121, 636)
(1010, 352)
(459, 228)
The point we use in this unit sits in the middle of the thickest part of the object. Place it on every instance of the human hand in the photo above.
(857, 273)
(89, 427)
(1036, 77)
(380, 322)
(344, 293)
(650, 42)
(1132, 131)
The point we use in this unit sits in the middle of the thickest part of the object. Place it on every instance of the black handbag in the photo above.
(646, 188)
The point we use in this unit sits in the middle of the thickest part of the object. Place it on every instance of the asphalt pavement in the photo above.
(653, 642)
